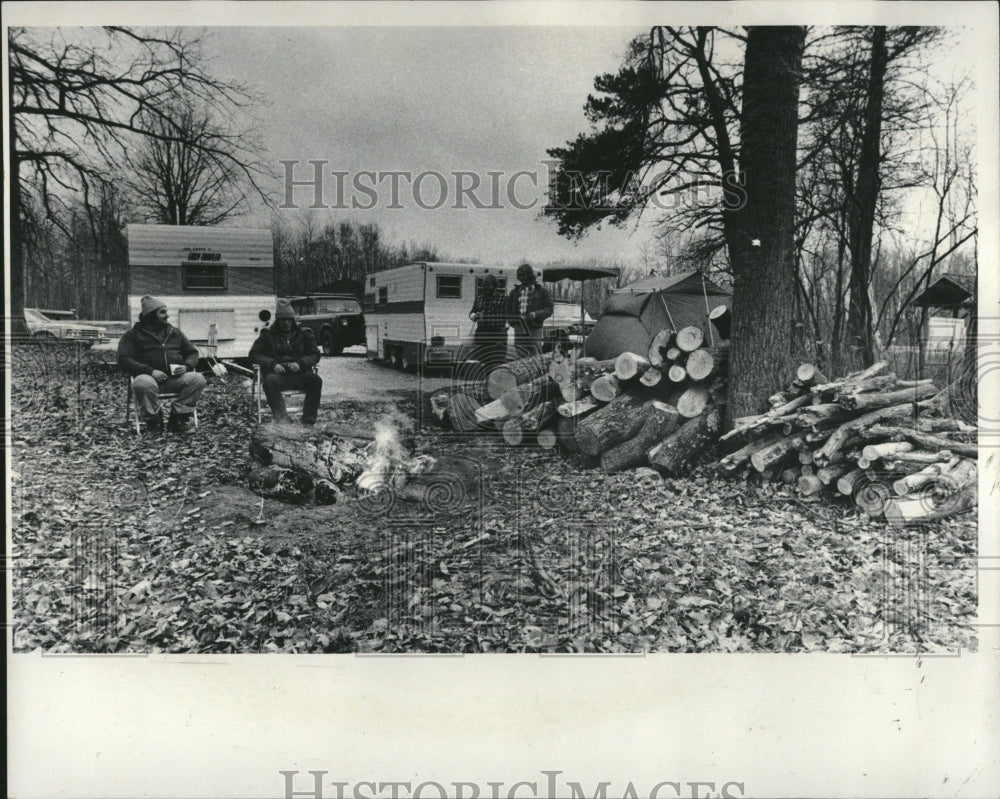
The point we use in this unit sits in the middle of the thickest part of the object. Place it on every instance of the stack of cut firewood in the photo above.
(658, 407)
(870, 436)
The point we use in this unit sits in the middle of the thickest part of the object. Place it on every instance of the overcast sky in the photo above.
(432, 99)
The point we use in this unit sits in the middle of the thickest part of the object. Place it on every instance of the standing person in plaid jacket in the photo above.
(528, 306)
(489, 312)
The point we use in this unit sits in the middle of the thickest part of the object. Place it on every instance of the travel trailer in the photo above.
(418, 314)
(206, 276)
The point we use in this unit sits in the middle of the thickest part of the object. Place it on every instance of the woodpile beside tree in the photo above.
(612, 412)
(870, 436)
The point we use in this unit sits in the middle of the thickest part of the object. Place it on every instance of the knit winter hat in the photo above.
(284, 310)
(149, 304)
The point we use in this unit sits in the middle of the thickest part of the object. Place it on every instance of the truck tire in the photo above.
(329, 345)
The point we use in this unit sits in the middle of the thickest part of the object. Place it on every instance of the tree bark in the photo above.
(617, 421)
(661, 420)
(860, 323)
(759, 231)
(516, 373)
(676, 453)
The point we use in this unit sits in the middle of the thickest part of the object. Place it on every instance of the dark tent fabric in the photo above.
(634, 314)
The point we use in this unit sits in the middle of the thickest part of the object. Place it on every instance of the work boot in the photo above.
(179, 422)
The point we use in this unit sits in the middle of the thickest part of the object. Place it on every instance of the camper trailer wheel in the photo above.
(397, 357)
(329, 347)
(404, 361)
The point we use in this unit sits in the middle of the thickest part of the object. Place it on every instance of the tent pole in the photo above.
(708, 311)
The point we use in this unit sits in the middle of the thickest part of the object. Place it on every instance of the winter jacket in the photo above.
(143, 350)
(273, 347)
(539, 307)
(492, 310)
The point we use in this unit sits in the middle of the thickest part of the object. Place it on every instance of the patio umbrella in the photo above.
(554, 274)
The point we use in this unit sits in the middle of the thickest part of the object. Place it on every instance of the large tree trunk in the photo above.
(759, 230)
(860, 324)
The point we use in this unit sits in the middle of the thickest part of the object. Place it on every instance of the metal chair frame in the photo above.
(131, 400)
(258, 391)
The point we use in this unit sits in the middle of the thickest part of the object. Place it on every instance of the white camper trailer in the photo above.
(206, 276)
(418, 314)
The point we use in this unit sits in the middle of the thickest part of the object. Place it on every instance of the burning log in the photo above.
(675, 454)
(661, 420)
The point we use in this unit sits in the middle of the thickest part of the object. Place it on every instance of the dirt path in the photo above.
(352, 376)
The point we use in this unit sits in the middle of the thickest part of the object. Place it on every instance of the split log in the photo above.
(617, 421)
(498, 410)
(628, 365)
(606, 388)
(768, 457)
(925, 440)
(651, 377)
(510, 375)
(722, 318)
(661, 420)
(689, 338)
(678, 451)
(579, 408)
(658, 346)
(809, 485)
(870, 402)
(530, 395)
(691, 401)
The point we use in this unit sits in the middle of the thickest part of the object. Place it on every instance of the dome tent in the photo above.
(634, 314)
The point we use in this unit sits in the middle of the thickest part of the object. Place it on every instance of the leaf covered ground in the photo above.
(138, 544)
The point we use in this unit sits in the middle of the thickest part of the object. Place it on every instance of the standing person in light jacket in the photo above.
(528, 306)
(160, 358)
(286, 354)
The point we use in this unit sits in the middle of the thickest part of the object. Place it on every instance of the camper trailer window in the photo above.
(501, 286)
(383, 295)
(203, 276)
(449, 287)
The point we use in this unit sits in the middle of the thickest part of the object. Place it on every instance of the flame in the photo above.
(387, 452)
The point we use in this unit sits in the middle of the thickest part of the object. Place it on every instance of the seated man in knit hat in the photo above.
(286, 354)
(161, 359)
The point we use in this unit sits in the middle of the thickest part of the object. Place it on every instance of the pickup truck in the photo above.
(336, 319)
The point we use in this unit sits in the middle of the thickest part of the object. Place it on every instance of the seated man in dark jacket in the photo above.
(286, 354)
(160, 358)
